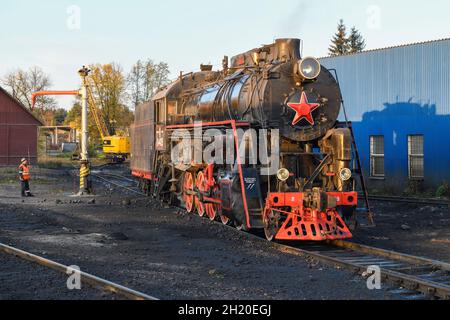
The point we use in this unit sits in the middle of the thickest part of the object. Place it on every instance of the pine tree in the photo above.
(339, 45)
(356, 41)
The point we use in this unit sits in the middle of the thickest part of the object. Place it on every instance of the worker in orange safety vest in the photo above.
(24, 176)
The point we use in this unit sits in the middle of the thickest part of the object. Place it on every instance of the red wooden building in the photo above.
(18, 131)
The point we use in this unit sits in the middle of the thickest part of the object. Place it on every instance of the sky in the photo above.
(60, 36)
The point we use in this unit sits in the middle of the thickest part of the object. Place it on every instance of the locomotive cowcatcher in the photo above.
(295, 103)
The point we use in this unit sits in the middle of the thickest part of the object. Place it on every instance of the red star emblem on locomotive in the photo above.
(303, 110)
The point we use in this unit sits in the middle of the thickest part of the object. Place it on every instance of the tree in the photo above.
(124, 120)
(60, 116)
(356, 41)
(108, 87)
(339, 42)
(21, 84)
(160, 77)
(135, 81)
(108, 84)
(73, 120)
(145, 78)
(73, 117)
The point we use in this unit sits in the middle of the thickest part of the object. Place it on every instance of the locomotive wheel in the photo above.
(349, 216)
(225, 220)
(188, 188)
(202, 187)
(212, 209)
(271, 225)
(218, 208)
(239, 226)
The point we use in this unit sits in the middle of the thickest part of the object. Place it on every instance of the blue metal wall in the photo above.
(396, 92)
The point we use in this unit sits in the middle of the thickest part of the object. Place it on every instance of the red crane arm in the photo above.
(52, 93)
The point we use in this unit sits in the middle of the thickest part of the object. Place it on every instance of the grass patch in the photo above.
(64, 162)
(443, 191)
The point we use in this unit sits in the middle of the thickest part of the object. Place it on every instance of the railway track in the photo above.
(424, 201)
(419, 277)
(94, 281)
(118, 181)
(415, 275)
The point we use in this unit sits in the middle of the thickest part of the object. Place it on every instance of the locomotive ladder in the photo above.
(349, 124)
(360, 172)
(159, 173)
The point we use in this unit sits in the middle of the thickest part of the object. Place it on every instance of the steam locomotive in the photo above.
(267, 101)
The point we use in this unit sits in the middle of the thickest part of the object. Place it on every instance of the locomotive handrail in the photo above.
(209, 124)
(318, 169)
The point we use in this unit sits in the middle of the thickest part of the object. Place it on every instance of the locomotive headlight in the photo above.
(345, 174)
(283, 174)
(309, 68)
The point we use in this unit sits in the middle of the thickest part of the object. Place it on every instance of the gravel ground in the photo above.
(23, 280)
(164, 253)
(414, 229)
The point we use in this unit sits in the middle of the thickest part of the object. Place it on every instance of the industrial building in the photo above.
(398, 99)
(18, 131)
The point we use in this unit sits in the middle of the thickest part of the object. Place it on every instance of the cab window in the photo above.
(160, 112)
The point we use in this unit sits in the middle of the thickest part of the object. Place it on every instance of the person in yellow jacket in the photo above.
(24, 176)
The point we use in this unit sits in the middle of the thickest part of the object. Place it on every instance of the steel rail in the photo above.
(118, 185)
(94, 281)
(425, 201)
(114, 176)
(372, 256)
(390, 254)
(376, 257)
(410, 282)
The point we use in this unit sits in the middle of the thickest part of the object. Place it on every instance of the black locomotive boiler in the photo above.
(290, 105)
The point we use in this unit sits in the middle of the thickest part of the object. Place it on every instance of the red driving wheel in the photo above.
(225, 220)
(211, 208)
(202, 187)
(188, 190)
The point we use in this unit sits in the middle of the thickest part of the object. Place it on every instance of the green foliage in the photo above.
(74, 116)
(73, 119)
(342, 44)
(50, 164)
(355, 41)
(108, 86)
(41, 143)
(339, 42)
(414, 188)
(444, 190)
(60, 116)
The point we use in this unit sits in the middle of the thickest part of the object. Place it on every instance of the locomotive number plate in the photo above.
(161, 141)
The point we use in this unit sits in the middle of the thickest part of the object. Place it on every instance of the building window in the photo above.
(416, 157)
(377, 157)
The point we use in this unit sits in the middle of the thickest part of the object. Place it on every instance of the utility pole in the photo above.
(85, 179)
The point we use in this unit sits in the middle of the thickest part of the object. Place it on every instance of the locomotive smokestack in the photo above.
(206, 67)
(287, 49)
